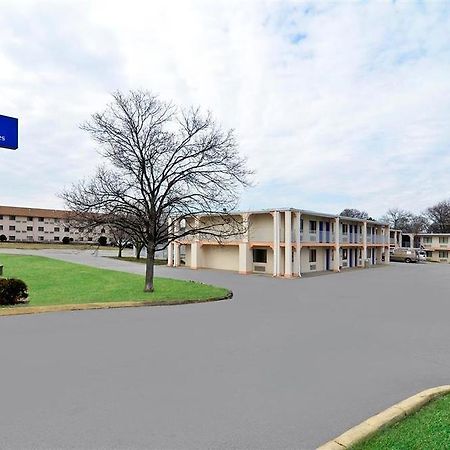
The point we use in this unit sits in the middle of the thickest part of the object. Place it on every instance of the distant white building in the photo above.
(19, 224)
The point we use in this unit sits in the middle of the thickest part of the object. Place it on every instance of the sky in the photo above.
(335, 104)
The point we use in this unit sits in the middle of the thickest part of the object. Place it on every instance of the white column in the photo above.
(364, 255)
(194, 254)
(245, 263)
(387, 248)
(299, 245)
(195, 246)
(276, 243)
(170, 246)
(176, 247)
(287, 244)
(337, 246)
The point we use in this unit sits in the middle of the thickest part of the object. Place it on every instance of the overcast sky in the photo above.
(335, 105)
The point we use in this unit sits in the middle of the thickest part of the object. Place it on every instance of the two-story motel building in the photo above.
(289, 243)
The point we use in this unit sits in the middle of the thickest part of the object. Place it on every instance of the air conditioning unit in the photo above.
(344, 264)
(259, 268)
(312, 267)
(344, 238)
(312, 238)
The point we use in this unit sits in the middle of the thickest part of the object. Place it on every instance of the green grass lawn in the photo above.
(427, 429)
(53, 282)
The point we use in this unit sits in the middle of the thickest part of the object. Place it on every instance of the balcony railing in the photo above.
(321, 237)
(351, 238)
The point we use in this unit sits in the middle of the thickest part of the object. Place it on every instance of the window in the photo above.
(56, 238)
(40, 228)
(1, 217)
(259, 255)
(312, 226)
(56, 228)
(41, 219)
(429, 254)
(30, 219)
(12, 217)
(12, 228)
(29, 238)
(56, 220)
(312, 255)
(344, 228)
(29, 228)
(344, 253)
(41, 238)
(301, 224)
(103, 230)
(443, 254)
(427, 240)
(1, 227)
(81, 239)
(12, 238)
(89, 238)
(443, 240)
(66, 229)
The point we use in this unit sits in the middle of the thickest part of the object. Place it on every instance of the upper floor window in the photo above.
(102, 231)
(443, 240)
(41, 219)
(40, 228)
(344, 228)
(12, 217)
(66, 229)
(30, 219)
(29, 228)
(312, 226)
(12, 228)
(427, 240)
(57, 229)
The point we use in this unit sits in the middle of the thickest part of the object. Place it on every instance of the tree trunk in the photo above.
(149, 267)
(139, 248)
(120, 251)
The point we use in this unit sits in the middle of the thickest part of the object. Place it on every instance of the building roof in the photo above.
(33, 212)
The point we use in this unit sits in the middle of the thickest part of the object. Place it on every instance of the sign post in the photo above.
(9, 132)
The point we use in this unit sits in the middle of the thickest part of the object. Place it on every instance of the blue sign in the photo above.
(9, 132)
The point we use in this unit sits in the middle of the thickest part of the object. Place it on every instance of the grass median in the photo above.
(53, 282)
(428, 428)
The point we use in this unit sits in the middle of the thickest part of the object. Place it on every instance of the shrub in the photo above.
(102, 241)
(66, 240)
(3, 238)
(13, 291)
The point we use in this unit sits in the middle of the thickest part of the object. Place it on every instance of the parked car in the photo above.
(404, 255)
(422, 254)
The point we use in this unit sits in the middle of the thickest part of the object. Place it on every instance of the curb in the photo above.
(387, 417)
(20, 310)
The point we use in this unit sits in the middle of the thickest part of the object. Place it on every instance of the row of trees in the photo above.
(435, 219)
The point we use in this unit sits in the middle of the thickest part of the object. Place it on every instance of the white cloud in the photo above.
(336, 105)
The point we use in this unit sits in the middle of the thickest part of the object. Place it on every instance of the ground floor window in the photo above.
(312, 255)
(259, 255)
(344, 253)
(429, 254)
(443, 254)
(12, 238)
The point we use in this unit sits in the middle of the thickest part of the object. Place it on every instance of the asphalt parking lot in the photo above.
(286, 364)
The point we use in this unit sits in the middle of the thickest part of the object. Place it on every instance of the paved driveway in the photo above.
(286, 364)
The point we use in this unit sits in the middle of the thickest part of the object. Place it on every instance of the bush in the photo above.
(13, 291)
(66, 240)
(102, 241)
(3, 238)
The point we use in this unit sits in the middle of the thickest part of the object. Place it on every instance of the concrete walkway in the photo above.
(286, 364)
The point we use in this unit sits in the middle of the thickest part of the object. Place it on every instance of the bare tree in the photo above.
(160, 163)
(356, 213)
(398, 219)
(121, 237)
(439, 216)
